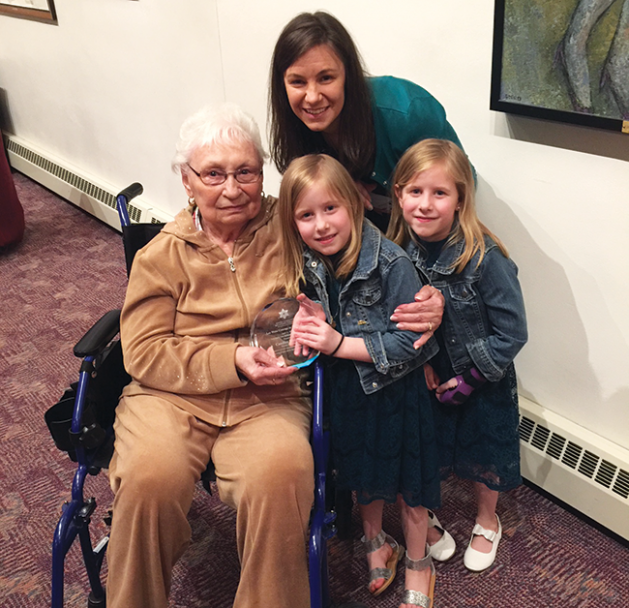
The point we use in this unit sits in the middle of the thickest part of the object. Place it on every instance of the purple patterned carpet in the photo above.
(68, 271)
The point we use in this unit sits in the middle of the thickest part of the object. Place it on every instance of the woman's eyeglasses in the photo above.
(214, 177)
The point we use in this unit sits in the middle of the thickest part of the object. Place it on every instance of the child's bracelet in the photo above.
(337, 347)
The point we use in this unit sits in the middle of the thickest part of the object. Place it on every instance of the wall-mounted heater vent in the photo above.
(99, 200)
(574, 456)
(581, 468)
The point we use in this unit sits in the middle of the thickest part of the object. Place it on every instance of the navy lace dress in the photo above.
(383, 444)
(479, 439)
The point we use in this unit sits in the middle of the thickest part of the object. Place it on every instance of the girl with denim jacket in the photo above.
(383, 438)
(484, 327)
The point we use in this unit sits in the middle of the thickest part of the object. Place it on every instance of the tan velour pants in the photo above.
(264, 469)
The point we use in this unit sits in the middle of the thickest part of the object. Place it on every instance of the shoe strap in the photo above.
(415, 598)
(373, 544)
(490, 535)
(433, 522)
(377, 573)
(418, 564)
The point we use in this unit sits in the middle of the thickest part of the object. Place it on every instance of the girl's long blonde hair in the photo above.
(303, 173)
(467, 226)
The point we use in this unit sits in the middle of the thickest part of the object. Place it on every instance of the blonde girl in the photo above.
(382, 430)
(476, 409)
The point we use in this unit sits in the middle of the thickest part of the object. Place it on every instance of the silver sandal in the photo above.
(417, 598)
(388, 573)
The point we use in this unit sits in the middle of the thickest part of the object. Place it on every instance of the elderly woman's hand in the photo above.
(422, 316)
(261, 367)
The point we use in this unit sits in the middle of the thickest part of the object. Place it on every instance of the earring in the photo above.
(191, 201)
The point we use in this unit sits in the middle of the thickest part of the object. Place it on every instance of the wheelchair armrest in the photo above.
(99, 335)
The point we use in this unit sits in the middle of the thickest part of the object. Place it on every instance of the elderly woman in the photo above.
(200, 391)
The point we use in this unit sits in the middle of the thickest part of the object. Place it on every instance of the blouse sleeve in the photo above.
(404, 114)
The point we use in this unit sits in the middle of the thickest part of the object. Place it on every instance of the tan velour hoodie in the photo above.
(186, 311)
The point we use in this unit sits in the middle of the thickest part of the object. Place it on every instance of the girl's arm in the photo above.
(317, 334)
(500, 292)
(393, 346)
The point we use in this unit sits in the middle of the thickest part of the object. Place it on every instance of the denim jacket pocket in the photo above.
(461, 292)
(370, 293)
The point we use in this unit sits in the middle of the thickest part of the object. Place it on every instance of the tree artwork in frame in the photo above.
(37, 10)
(565, 60)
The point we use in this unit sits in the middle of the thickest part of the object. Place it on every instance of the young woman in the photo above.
(321, 101)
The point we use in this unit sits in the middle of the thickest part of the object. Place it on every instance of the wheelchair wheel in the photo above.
(94, 603)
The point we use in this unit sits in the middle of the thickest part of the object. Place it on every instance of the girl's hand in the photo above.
(458, 389)
(423, 315)
(316, 334)
(308, 310)
(261, 367)
(432, 380)
(446, 386)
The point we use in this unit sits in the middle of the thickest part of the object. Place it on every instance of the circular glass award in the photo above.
(271, 329)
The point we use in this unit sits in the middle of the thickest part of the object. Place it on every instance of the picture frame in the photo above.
(36, 10)
(560, 61)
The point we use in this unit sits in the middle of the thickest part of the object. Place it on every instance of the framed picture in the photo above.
(565, 60)
(37, 10)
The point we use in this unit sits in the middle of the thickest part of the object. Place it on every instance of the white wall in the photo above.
(107, 89)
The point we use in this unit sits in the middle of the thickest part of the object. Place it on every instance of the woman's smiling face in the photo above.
(315, 87)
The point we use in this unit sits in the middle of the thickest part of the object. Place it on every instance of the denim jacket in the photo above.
(384, 277)
(484, 322)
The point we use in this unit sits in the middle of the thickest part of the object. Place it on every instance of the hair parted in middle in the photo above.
(326, 172)
(289, 136)
(467, 226)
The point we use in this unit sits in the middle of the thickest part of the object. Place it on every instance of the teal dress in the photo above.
(384, 443)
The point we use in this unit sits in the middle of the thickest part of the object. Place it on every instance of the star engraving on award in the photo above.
(271, 329)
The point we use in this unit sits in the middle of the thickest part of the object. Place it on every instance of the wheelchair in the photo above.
(81, 424)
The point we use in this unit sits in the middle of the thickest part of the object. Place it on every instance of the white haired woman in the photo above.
(200, 391)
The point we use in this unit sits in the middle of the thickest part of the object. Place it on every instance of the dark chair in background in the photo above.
(11, 212)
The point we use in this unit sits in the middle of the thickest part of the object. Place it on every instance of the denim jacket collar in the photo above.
(445, 262)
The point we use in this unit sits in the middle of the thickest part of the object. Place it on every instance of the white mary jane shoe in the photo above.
(445, 547)
(476, 561)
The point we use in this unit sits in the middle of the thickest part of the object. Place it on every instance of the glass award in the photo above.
(271, 329)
